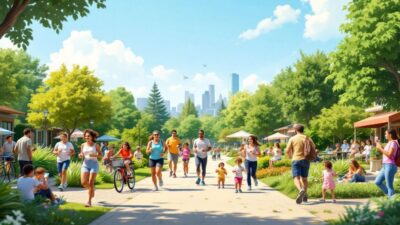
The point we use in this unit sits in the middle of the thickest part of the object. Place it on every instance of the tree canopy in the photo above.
(73, 98)
(188, 109)
(189, 127)
(235, 113)
(19, 15)
(156, 107)
(124, 111)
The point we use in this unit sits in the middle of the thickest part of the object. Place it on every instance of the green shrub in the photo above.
(284, 162)
(348, 190)
(105, 176)
(274, 171)
(9, 200)
(263, 162)
(140, 163)
(233, 153)
(74, 175)
(43, 157)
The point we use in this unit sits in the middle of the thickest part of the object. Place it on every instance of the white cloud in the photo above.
(176, 88)
(324, 21)
(207, 78)
(282, 14)
(250, 81)
(160, 72)
(6, 43)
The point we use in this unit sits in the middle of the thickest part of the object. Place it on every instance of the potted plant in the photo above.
(375, 164)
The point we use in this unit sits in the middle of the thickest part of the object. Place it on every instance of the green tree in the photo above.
(236, 112)
(188, 109)
(156, 107)
(303, 91)
(19, 15)
(210, 126)
(73, 98)
(124, 111)
(139, 134)
(366, 63)
(222, 107)
(337, 122)
(189, 127)
(171, 124)
(20, 76)
(264, 114)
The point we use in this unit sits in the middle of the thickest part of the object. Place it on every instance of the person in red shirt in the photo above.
(126, 155)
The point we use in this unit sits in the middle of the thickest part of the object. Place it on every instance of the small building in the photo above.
(7, 119)
(287, 130)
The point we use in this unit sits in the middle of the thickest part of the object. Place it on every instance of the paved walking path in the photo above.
(181, 201)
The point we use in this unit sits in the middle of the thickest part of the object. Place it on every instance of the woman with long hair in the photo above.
(156, 149)
(90, 152)
(251, 152)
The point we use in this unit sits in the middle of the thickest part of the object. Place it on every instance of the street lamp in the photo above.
(45, 114)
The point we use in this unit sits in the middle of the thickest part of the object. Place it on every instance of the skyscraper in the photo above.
(211, 90)
(167, 104)
(141, 103)
(205, 101)
(190, 96)
(235, 83)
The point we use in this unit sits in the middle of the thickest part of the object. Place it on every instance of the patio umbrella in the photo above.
(239, 134)
(107, 138)
(5, 131)
(276, 136)
(75, 135)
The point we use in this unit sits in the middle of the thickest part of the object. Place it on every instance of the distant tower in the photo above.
(235, 83)
(206, 101)
(211, 90)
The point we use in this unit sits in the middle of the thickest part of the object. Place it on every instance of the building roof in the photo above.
(8, 110)
(378, 120)
(288, 128)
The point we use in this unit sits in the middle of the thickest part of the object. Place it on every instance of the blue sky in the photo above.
(134, 43)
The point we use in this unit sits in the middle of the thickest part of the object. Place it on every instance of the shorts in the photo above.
(300, 168)
(23, 163)
(156, 163)
(8, 157)
(90, 166)
(62, 165)
(173, 157)
(221, 179)
(127, 161)
(238, 180)
(44, 193)
(185, 160)
(276, 158)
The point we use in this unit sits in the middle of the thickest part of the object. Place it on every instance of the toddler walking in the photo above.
(186, 158)
(328, 182)
(238, 171)
(221, 171)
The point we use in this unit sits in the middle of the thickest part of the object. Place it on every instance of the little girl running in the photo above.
(185, 158)
(238, 171)
(221, 171)
(328, 182)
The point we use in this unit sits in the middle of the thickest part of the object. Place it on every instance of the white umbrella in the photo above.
(239, 134)
(75, 135)
(5, 131)
(276, 136)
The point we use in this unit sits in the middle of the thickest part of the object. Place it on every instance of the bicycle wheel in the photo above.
(11, 172)
(132, 179)
(3, 173)
(118, 180)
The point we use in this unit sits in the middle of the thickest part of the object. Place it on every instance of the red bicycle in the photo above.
(121, 175)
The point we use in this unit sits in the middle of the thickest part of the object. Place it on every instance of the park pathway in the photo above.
(181, 201)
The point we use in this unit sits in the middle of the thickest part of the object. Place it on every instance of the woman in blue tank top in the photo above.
(156, 148)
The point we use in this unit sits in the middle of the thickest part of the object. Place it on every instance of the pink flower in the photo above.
(381, 213)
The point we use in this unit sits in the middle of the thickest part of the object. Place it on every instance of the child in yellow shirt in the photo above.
(221, 171)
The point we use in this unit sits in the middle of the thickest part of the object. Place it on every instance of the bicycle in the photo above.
(121, 175)
(7, 169)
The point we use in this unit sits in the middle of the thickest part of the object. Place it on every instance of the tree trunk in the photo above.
(12, 16)
(394, 71)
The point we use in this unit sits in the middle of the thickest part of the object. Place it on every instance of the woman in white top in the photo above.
(250, 152)
(367, 150)
(277, 154)
(90, 151)
(63, 150)
(354, 148)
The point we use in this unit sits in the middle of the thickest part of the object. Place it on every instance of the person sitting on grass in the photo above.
(27, 185)
(126, 155)
(328, 182)
(43, 191)
(138, 155)
(277, 154)
(356, 173)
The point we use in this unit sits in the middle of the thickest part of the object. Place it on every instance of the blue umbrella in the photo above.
(107, 138)
(5, 132)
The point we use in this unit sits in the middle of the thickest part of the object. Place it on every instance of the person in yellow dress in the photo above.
(221, 173)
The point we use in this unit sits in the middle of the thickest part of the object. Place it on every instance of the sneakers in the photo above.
(198, 181)
(255, 182)
(334, 201)
(322, 200)
(305, 198)
(65, 185)
(160, 183)
(249, 188)
(61, 187)
(300, 196)
(219, 187)
(170, 173)
(236, 191)
(240, 190)
(203, 183)
(155, 189)
(174, 175)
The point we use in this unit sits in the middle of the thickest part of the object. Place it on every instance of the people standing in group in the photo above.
(138, 155)
(201, 148)
(63, 150)
(126, 155)
(345, 149)
(173, 143)
(300, 165)
(328, 181)
(354, 148)
(250, 153)
(90, 152)
(277, 154)
(185, 158)
(389, 168)
(367, 150)
(238, 171)
(7, 150)
(156, 149)
(23, 148)
(221, 173)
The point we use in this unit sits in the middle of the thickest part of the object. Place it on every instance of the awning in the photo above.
(379, 120)
(8, 110)
(239, 134)
(276, 136)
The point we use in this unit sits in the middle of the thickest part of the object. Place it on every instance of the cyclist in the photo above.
(126, 155)
(8, 148)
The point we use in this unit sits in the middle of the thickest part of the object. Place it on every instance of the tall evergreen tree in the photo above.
(188, 109)
(222, 107)
(156, 107)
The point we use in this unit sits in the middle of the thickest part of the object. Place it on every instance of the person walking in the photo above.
(23, 148)
(7, 151)
(389, 168)
(156, 149)
(63, 150)
(173, 144)
(250, 152)
(201, 148)
(90, 152)
(300, 165)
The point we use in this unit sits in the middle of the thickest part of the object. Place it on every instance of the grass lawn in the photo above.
(231, 161)
(140, 175)
(84, 215)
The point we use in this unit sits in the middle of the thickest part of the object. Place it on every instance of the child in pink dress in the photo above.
(328, 183)
(185, 158)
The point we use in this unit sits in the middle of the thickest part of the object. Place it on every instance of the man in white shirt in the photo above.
(27, 185)
(201, 147)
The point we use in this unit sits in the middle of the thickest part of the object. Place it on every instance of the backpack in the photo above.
(397, 155)
(309, 150)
